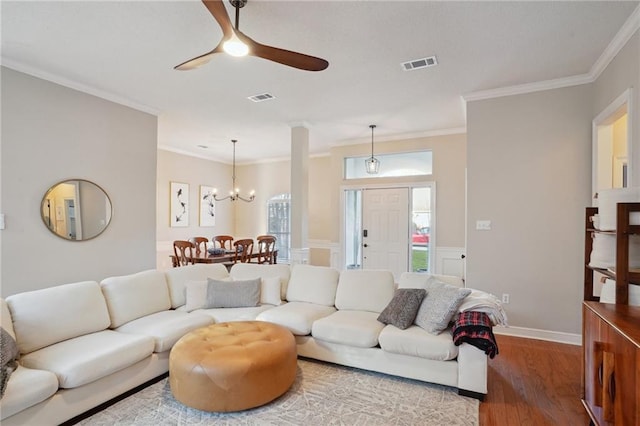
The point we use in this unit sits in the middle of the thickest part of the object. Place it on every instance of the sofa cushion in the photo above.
(130, 297)
(439, 307)
(364, 290)
(246, 271)
(402, 309)
(313, 284)
(50, 315)
(87, 358)
(414, 341)
(27, 387)
(298, 317)
(177, 277)
(165, 327)
(353, 328)
(233, 314)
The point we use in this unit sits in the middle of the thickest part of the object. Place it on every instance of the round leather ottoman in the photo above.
(232, 366)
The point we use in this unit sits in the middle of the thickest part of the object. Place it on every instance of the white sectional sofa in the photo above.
(82, 344)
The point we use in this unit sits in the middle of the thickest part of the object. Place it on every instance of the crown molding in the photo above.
(401, 136)
(628, 29)
(62, 81)
(521, 89)
(187, 153)
(302, 123)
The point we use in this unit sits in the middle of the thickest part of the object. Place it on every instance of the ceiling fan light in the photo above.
(235, 47)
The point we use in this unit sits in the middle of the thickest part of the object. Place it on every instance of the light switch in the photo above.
(483, 225)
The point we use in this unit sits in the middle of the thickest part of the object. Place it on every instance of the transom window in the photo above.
(391, 165)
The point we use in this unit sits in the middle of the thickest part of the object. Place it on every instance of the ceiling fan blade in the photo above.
(282, 56)
(198, 60)
(219, 12)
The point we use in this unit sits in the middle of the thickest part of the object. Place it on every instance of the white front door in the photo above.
(385, 224)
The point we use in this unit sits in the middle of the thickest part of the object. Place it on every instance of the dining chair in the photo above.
(183, 252)
(266, 248)
(225, 241)
(200, 243)
(244, 250)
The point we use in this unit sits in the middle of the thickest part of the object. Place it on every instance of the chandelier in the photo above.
(372, 164)
(234, 193)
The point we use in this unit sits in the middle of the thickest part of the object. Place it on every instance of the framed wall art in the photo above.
(179, 205)
(207, 206)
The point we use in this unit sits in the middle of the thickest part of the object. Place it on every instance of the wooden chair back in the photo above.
(266, 248)
(225, 241)
(244, 250)
(183, 252)
(200, 244)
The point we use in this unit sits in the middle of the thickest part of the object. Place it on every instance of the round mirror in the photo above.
(76, 209)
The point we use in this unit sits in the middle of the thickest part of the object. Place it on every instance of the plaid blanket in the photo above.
(474, 328)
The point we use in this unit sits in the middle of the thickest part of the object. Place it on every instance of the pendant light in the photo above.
(372, 164)
(234, 193)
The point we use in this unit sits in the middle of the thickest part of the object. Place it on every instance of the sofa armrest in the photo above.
(472, 371)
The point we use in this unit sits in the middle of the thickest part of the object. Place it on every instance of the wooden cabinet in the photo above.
(611, 332)
(611, 343)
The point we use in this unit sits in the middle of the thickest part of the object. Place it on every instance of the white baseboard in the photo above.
(533, 333)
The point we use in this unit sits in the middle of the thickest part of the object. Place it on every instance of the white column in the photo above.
(299, 194)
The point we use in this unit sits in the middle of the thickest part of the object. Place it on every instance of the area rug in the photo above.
(322, 394)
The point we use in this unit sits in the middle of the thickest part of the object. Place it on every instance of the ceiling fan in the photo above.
(236, 43)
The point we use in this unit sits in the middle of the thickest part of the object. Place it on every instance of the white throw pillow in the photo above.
(270, 291)
(195, 295)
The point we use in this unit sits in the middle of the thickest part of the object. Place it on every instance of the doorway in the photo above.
(389, 228)
(611, 145)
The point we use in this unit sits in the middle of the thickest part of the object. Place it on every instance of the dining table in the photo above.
(227, 257)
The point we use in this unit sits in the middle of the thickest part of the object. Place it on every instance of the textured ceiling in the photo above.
(128, 50)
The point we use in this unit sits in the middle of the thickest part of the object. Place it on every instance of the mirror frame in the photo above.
(45, 200)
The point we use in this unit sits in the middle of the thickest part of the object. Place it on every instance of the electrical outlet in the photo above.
(505, 298)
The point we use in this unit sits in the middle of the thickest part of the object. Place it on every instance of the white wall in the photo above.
(52, 133)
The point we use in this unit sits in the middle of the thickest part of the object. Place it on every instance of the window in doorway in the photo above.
(420, 229)
(279, 224)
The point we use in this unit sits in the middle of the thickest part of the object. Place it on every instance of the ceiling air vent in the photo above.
(419, 63)
(262, 97)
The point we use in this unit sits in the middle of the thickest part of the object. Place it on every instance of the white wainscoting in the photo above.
(334, 251)
(164, 249)
(449, 261)
(299, 256)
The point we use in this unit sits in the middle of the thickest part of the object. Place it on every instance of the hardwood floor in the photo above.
(534, 382)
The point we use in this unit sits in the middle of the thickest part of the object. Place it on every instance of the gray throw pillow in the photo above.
(233, 294)
(439, 307)
(402, 310)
